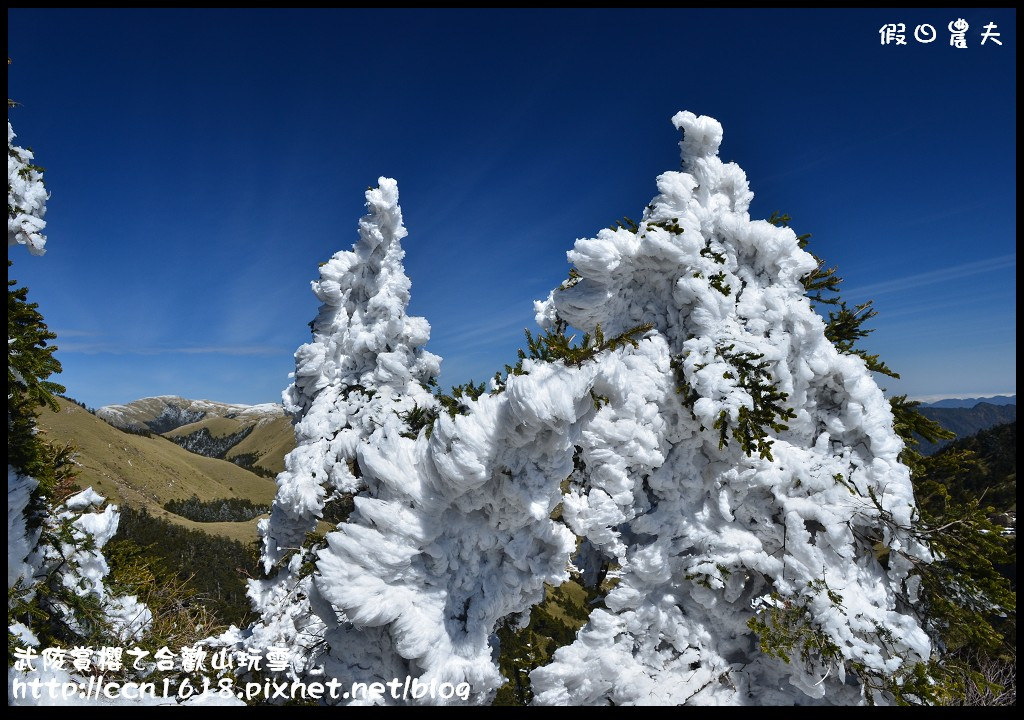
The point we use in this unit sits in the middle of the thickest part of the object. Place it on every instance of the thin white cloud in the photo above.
(830, 154)
(74, 333)
(914, 310)
(490, 331)
(114, 349)
(231, 350)
(934, 276)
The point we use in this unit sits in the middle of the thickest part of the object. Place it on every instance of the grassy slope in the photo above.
(147, 472)
(218, 427)
(271, 441)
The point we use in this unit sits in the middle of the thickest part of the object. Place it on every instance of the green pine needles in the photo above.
(766, 412)
(553, 345)
(750, 425)
(786, 628)
(30, 362)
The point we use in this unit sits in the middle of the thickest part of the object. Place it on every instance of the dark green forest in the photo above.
(992, 474)
(222, 510)
(213, 568)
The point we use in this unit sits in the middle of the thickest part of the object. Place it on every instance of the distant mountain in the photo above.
(256, 437)
(146, 472)
(971, 402)
(966, 421)
(167, 412)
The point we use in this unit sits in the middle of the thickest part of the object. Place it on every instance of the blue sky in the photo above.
(202, 163)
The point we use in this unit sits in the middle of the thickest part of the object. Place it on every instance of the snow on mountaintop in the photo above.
(254, 436)
(167, 412)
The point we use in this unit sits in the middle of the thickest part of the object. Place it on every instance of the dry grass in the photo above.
(147, 472)
(272, 440)
(999, 687)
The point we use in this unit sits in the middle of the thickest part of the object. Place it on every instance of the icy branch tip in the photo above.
(701, 135)
(385, 194)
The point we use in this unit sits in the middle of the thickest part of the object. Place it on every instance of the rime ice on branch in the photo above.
(364, 366)
(732, 469)
(751, 471)
(26, 198)
(364, 370)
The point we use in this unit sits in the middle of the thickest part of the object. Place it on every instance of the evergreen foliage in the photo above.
(453, 403)
(422, 418)
(750, 426)
(553, 345)
(967, 601)
(553, 623)
(993, 467)
(338, 507)
(58, 616)
(963, 600)
(845, 326)
(79, 403)
(822, 279)
(213, 568)
(133, 430)
(248, 461)
(56, 590)
(202, 442)
(223, 510)
(30, 362)
(56, 613)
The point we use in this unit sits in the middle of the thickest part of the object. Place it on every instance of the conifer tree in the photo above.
(711, 461)
(56, 590)
(744, 535)
(966, 603)
(361, 378)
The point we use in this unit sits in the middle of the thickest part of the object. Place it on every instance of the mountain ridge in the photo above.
(971, 402)
(965, 422)
(256, 437)
(148, 471)
(136, 411)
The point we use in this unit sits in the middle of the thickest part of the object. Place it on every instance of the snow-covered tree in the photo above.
(26, 198)
(55, 566)
(363, 377)
(713, 461)
(744, 495)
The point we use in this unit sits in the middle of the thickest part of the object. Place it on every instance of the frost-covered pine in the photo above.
(742, 475)
(364, 366)
(26, 198)
(360, 379)
(57, 589)
(68, 563)
(450, 531)
(730, 472)
(56, 570)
